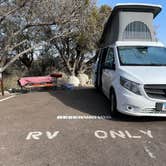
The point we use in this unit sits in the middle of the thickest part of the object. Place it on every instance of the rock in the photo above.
(63, 80)
(74, 80)
(84, 79)
(7, 93)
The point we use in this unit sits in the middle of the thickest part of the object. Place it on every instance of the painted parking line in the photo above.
(149, 152)
(7, 98)
(83, 117)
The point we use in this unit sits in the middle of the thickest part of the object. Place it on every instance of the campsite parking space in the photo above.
(74, 128)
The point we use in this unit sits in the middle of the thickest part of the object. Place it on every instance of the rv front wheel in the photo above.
(113, 104)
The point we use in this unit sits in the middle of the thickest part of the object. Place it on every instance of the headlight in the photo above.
(130, 85)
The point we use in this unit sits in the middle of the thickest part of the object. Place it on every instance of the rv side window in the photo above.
(109, 60)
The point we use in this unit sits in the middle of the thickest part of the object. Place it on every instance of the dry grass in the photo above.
(11, 82)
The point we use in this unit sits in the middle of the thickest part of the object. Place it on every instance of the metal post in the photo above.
(1, 82)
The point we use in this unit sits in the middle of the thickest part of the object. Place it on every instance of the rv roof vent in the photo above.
(137, 30)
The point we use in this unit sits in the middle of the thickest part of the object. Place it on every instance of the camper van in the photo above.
(131, 65)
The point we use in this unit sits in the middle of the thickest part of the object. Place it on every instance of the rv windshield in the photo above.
(142, 56)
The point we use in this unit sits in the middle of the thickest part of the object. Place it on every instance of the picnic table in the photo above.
(39, 81)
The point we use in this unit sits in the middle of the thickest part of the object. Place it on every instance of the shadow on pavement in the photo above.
(88, 100)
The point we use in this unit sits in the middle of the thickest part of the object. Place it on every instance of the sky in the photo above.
(160, 20)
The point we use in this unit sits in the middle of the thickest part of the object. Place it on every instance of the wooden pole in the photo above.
(1, 82)
(2, 88)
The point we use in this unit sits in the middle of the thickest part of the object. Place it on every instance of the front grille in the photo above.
(156, 91)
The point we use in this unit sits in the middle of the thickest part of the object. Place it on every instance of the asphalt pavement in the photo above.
(74, 128)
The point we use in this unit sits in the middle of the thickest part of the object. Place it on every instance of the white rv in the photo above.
(131, 65)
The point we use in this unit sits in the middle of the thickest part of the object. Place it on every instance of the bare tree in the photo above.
(22, 17)
(73, 27)
(77, 50)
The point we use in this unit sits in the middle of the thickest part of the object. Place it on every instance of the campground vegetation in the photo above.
(38, 37)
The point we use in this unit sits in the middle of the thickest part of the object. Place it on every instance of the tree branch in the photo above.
(15, 58)
(15, 46)
(30, 49)
(12, 11)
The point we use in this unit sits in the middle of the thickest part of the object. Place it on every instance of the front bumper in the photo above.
(135, 105)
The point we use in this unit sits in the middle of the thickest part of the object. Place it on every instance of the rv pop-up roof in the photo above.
(130, 22)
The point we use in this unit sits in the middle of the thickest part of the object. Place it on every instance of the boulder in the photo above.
(74, 80)
(84, 79)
